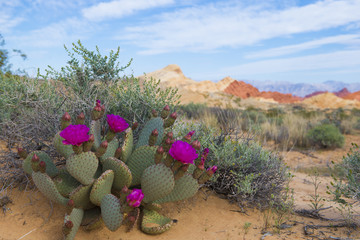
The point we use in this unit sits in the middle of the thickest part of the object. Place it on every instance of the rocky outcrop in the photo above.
(353, 96)
(281, 97)
(242, 90)
(245, 90)
(329, 100)
(342, 93)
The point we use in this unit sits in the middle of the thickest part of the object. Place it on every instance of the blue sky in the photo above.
(280, 40)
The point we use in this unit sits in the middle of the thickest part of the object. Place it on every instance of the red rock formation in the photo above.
(281, 97)
(342, 93)
(244, 90)
(353, 96)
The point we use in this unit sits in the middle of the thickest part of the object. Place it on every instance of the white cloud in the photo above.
(120, 8)
(7, 22)
(330, 61)
(56, 34)
(232, 24)
(348, 39)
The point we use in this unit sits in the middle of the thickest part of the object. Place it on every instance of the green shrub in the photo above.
(246, 172)
(347, 184)
(134, 99)
(351, 164)
(326, 136)
(193, 110)
(357, 125)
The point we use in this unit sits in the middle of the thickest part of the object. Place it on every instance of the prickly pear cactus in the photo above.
(99, 183)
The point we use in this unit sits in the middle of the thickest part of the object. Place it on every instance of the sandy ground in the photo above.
(206, 216)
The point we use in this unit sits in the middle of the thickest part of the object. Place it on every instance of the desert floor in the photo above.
(205, 216)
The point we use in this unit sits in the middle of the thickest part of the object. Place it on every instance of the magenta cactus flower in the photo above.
(212, 170)
(183, 152)
(117, 123)
(75, 135)
(135, 197)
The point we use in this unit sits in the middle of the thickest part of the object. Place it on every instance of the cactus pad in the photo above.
(47, 187)
(95, 129)
(122, 174)
(75, 217)
(64, 150)
(110, 212)
(110, 150)
(152, 124)
(82, 166)
(127, 145)
(154, 223)
(101, 187)
(81, 197)
(157, 181)
(51, 169)
(65, 183)
(142, 158)
(185, 187)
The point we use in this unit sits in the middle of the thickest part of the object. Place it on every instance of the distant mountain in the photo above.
(303, 89)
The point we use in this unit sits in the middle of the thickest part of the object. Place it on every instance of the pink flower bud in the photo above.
(135, 125)
(155, 132)
(154, 113)
(167, 108)
(205, 152)
(22, 153)
(71, 203)
(69, 224)
(35, 158)
(202, 163)
(160, 150)
(91, 138)
(211, 170)
(118, 153)
(42, 166)
(81, 116)
(125, 189)
(104, 144)
(66, 117)
(196, 144)
(170, 135)
(173, 115)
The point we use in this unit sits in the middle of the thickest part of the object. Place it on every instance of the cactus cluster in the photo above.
(108, 180)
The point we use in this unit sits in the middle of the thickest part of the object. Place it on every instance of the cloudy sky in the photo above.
(281, 40)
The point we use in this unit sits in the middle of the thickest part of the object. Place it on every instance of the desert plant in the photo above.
(135, 99)
(351, 166)
(193, 110)
(326, 136)
(99, 170)
(246, 172)
(316, 200)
